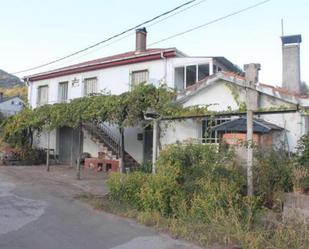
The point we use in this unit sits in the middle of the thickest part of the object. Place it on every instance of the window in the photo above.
(209, 135)
(190, 75)
(203, 71)
(12, 102)
(90, 86)
(42, 95)
(63, 92)
(186, 76)
(139, 77)
(179, 78)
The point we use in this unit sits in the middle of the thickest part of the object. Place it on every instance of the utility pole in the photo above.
(121, 152)
(154, 145)
(251, 77)
(79, 152)
(47, 152)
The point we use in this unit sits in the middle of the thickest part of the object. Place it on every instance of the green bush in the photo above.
(185, 174)
(273, 173)
(302, 155)
(304, 184)
(160, 194)
(127, 187)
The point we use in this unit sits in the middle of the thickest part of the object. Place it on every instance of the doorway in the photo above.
(69, 147)
(148, 138)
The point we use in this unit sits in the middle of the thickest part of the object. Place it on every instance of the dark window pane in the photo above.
(190, 75)
(179, 78)
(203, 71)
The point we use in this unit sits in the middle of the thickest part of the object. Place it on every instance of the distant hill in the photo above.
(8, 80)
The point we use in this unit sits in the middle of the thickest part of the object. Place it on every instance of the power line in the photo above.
(132, 33)
(110, 38)
(211, 22)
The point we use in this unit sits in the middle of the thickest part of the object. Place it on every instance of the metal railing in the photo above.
(107, 135)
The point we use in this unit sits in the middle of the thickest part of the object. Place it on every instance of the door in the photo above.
(148, 138)
(69, 145)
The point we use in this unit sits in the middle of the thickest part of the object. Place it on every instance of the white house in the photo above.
(200, 80)
(10, 105)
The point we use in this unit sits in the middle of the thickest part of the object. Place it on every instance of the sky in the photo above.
(34, 32)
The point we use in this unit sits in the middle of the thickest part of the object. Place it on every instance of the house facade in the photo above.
(10, 105)
(118, 74)
(199, 80)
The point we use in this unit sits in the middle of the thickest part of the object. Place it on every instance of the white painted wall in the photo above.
(40, 140)
(115, 79)
(133, 146)
(218, 95)
(294, 123)
(89, 145)
(179, 131)
(11, 106)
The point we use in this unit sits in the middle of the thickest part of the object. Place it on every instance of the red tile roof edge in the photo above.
(110, 61)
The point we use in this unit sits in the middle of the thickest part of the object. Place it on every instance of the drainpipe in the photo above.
(165, 65)
(154, 145)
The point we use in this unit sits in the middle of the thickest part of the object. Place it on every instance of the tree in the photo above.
(304, 89)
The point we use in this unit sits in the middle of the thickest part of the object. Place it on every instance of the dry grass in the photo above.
(222, 232)
(299, 173)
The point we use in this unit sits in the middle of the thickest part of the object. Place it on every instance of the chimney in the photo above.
(291, 62)
(252, 73)
(141, 40)
(252, 78)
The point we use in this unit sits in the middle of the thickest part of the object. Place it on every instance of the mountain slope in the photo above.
(8, 80)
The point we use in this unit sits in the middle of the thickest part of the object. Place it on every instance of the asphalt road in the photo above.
(35, 214)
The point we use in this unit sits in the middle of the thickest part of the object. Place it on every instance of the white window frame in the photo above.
(39, 102)
(138, 71)
(67, 93)
(214, 140)
(185, 71)
(86, 93)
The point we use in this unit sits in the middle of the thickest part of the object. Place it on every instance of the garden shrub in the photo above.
(304, 184)
(127, 187)
(161, 194)
(273, 173)
(302, 154)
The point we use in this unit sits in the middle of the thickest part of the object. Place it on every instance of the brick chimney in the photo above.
(252, 78)
(291, 62)
(141, 40)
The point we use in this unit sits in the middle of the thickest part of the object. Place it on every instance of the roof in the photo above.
(110, 61)
(239, 80)
(240, 125)
(4, 99)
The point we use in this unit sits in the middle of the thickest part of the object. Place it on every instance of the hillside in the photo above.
(8, 80)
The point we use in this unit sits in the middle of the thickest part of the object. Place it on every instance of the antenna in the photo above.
(282, 27)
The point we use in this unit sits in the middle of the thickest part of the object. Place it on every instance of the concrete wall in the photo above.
(294, 125)
(179, 131)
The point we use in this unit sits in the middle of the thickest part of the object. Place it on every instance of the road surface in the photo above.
(37, 213)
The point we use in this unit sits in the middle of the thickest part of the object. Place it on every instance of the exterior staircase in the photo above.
(109, 143)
